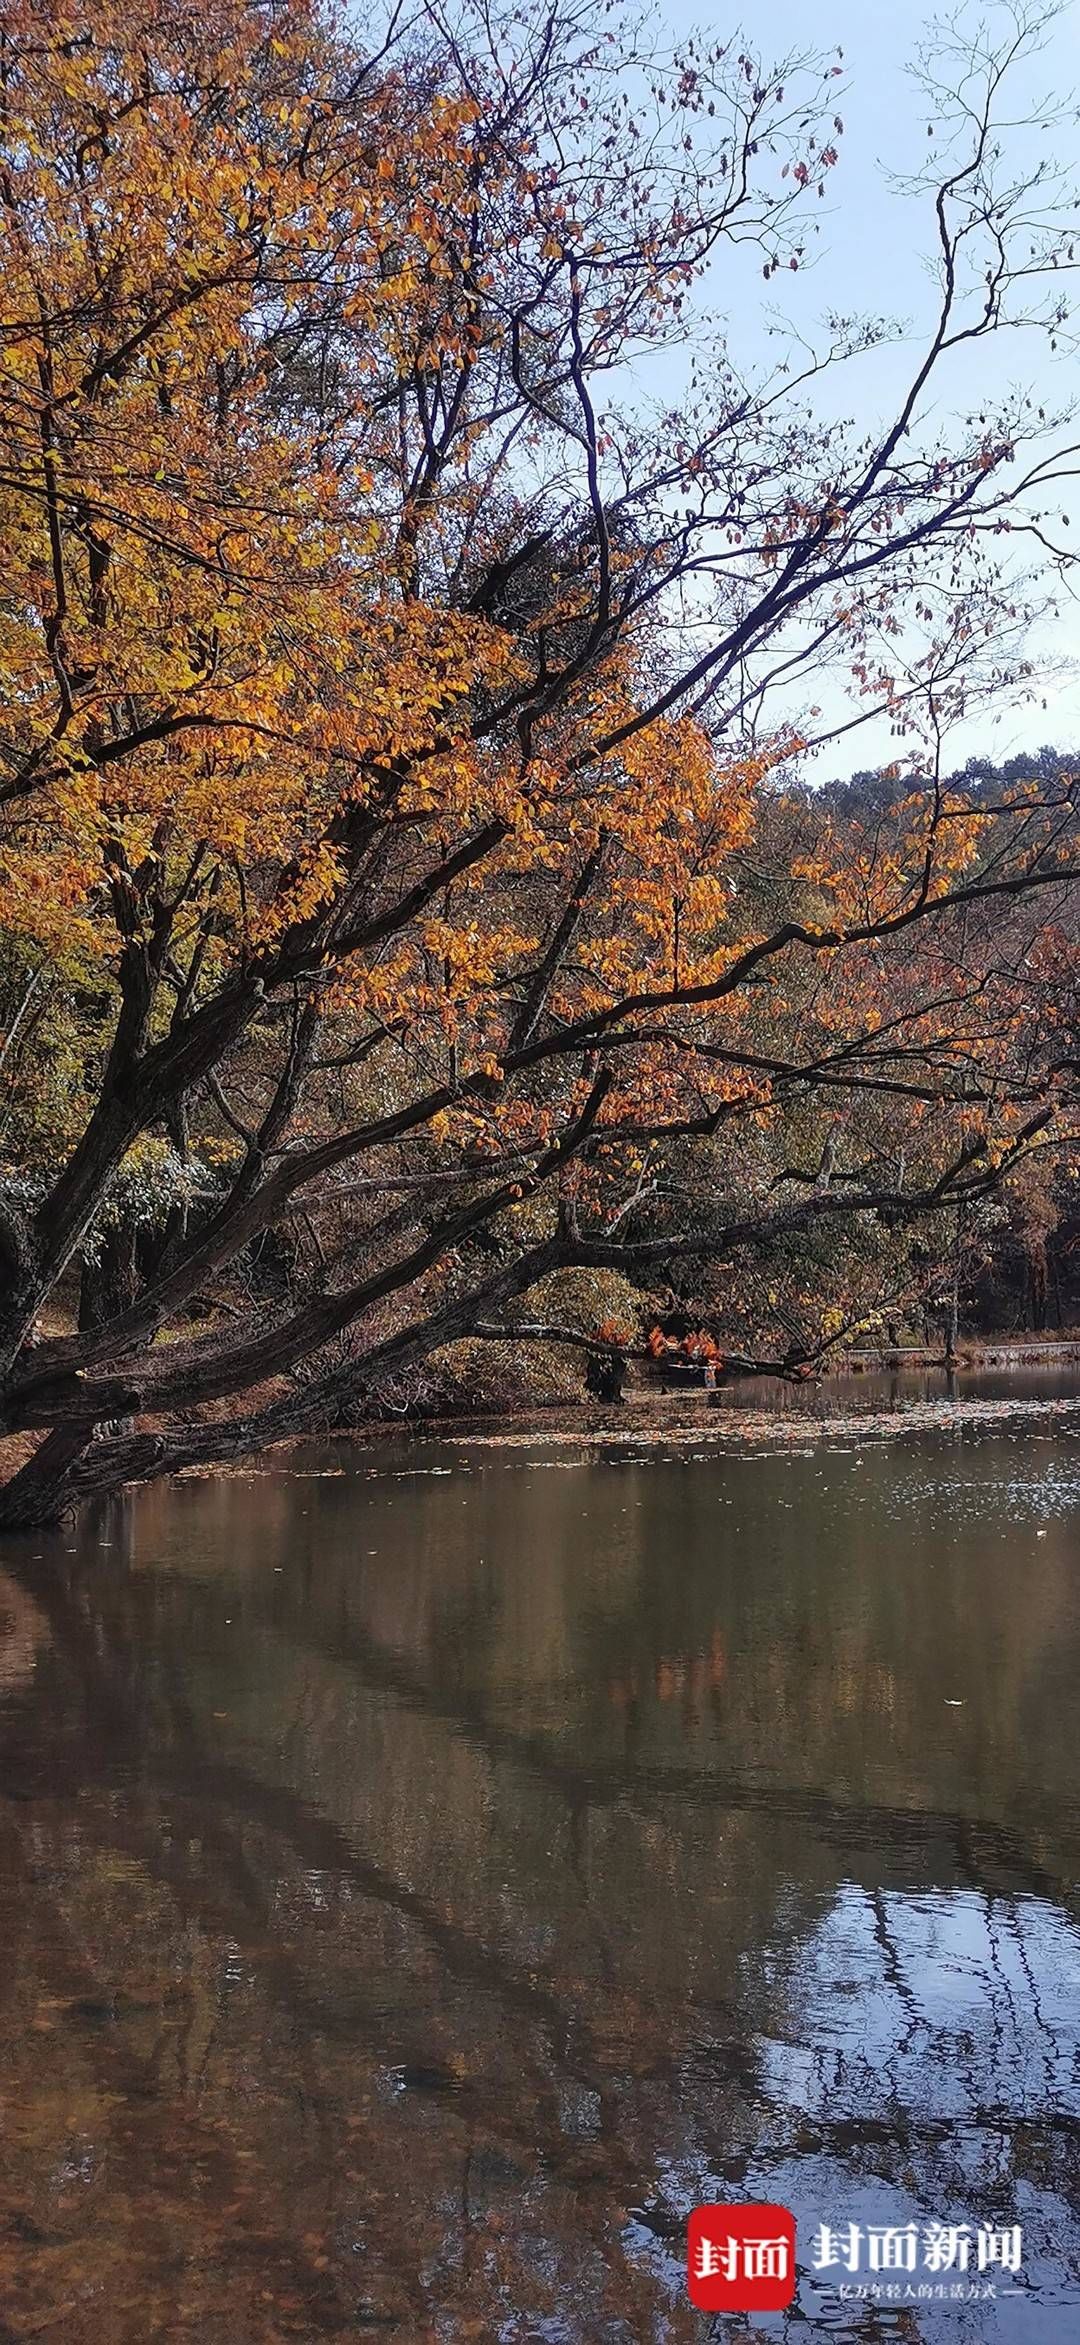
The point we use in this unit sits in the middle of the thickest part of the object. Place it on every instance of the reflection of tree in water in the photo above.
(929, 2073)
(293, 2090)
(375, 1991)
(23, 1632)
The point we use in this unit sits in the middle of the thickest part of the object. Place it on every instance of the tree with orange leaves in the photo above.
(385, 744)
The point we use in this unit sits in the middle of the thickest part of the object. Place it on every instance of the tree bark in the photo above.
(41, 1491)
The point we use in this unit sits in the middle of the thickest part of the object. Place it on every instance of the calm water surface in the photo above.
(425, 1876)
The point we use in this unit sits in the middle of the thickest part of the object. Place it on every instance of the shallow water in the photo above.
(426, 1874)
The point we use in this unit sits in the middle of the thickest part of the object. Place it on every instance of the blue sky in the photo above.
(873, 248)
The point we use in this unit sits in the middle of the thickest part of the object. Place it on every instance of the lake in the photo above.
(428, 1872)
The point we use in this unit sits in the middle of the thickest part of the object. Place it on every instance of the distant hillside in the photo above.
(876, 789)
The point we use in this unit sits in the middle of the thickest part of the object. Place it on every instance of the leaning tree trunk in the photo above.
(40, 1493)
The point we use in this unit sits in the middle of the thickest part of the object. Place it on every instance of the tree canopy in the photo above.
(402, 849)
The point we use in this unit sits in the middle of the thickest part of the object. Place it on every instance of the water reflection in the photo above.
(900, 1387)
(421, 1881)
